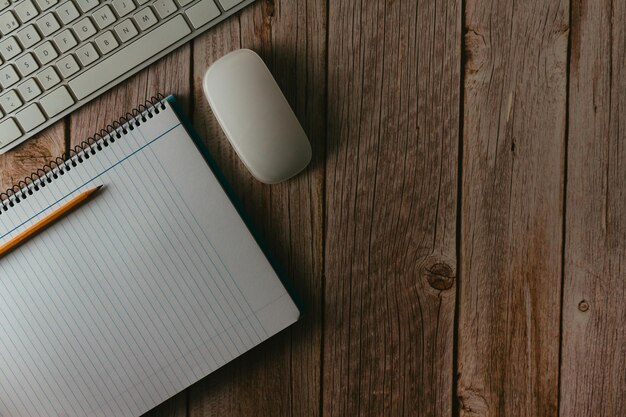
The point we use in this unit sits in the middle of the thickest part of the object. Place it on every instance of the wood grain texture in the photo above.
(31, 156)
(281, 377)
(368, 234)
(390, 269)
(593, 371)
(174, 407)
(512, 200)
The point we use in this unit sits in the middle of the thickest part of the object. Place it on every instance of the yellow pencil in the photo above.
(46, 221)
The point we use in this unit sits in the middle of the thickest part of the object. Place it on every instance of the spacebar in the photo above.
(129, 57)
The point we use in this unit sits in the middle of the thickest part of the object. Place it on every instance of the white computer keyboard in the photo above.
(56, 55)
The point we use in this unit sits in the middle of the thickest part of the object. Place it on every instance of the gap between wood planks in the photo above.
(564, 203)
(456, 410)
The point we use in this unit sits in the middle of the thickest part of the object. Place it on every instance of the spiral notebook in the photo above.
(141, 292)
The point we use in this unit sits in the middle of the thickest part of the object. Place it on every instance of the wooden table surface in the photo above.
(460, 236)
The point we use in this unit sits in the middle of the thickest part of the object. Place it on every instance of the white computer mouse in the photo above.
(256, 117)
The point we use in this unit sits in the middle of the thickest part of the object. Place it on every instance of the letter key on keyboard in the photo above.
(56, 55)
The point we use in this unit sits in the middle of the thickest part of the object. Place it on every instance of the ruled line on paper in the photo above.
(135, 297)
(86, 183)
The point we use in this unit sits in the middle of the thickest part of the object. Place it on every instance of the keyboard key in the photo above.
(8, 76)
(8, 23)
(54, 53)
(202, 13)
(48, 78)
(9, 48)
(126, 30)
(57, 101)
(65, 40)
(229, 4)
(10, 102)
(104, 17)
(67, 12)
(30, 118)
(48, 24)
(123, 7)
(106, 42)
(45, 52)
(165, 8)
(26, 64)
(87, 5)
(9, 131)
(28, 36)
(68, 66)
(26, 11)
(84, 29)
(87, 54)
(46, 4)
(29, 90)
(129, 57)
(145, 19)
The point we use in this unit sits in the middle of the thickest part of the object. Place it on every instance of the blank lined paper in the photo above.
(139, 293)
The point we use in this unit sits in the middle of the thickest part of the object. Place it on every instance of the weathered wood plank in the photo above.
(16, 164)
(170, 75)
(175, 407)
(281, 377)
(512, 199)
(391, 189)
(593, 370)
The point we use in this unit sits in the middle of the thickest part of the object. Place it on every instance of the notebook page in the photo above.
(136, 295)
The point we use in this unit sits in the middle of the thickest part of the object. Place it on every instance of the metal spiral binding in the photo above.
(77, 155)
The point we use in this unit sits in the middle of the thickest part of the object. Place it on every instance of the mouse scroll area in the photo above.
(256, 117)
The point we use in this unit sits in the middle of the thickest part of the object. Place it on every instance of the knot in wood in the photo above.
(269, 8)
(583, 306)
(439, 272)
(472, 402)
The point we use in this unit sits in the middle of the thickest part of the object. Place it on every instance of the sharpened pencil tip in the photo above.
(99, 186)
